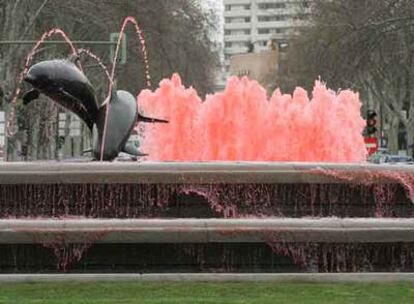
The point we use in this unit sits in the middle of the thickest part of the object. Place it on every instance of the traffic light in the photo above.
(371, 123)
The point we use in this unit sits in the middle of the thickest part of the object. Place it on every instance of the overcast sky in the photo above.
(217, 5)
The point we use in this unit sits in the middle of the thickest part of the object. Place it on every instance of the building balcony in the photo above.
(237, 13)
(231, 2)
(232, 38)
(275, 24)
(237, 25)
(291, 11)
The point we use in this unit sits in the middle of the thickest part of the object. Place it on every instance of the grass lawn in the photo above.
(182, 293)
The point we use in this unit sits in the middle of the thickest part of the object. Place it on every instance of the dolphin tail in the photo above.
(113, 95)
(29, 96)
(150, 120)
(131, 149)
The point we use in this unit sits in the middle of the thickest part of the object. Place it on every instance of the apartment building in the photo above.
(250, 25)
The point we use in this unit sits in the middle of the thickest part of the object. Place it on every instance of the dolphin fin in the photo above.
(29, 96)
(150, 120)
(131, 149)
(112, 96)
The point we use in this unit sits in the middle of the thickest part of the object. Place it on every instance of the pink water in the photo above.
(140, 35)
(56, 31)
(241, 123)
(98, 60)
(27, 63)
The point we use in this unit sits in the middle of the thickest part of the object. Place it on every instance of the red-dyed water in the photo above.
(241, 123)
(111, 77)
(139, 33)
(68, 254)
(28, 61)
(347, 257)
(90, 54)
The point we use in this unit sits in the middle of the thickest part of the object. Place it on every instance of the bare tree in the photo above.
(365, 45)
(176, 33)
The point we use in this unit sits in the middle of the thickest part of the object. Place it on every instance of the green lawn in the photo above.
(182, 293)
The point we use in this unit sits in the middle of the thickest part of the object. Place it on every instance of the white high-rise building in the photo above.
(249, 23)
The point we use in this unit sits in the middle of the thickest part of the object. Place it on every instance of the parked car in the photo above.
(398, 159)
(379, 157)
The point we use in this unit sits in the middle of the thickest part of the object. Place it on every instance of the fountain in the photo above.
(241, 124)
(235, 184)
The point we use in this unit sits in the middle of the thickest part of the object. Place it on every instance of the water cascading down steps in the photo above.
(216, 219)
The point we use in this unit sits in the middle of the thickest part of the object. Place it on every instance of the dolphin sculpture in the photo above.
(63, 82)
(123, 115)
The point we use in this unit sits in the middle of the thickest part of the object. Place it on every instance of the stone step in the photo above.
(253, 230)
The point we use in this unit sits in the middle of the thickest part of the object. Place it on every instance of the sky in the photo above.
(218, 6)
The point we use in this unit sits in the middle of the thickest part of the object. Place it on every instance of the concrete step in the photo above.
(254, 230)
(192, 172)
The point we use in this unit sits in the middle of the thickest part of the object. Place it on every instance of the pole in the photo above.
(381, 124)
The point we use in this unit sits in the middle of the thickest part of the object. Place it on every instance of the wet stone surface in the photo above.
(203, 201)
(212, 257)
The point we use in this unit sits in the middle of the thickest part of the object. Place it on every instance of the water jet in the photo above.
(234, 184)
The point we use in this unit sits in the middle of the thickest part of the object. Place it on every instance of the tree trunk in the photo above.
(393, 135)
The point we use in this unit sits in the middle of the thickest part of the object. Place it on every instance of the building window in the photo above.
(264, 31)
(242, 32)
(237, 44)
(271, 5)
(272, 30)
(237, 32)
(272, 18)
(236, 7)
(237, 19)
(240, 44)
